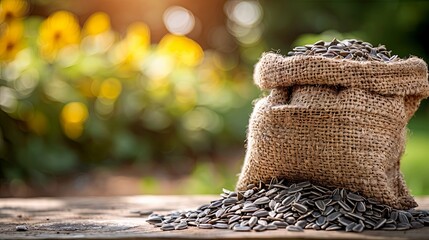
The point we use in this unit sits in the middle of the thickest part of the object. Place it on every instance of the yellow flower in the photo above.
(98, 36)
(185, 50)
(11, 40)
(138, 36)
(97, 23)
(110, 89)
(73, 116)
(74, 112)
(130, 52)
(12, 9)
(58, 31)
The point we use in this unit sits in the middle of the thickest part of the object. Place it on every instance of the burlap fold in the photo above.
(338, 123)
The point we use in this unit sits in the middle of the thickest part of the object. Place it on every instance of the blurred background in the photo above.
(107, 97)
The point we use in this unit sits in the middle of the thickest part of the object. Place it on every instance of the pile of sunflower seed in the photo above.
(294, 207)
(347, 49)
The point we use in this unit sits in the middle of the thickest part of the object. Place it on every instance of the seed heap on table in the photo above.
(294, 207)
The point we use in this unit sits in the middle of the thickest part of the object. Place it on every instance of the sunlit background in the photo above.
(107, 97)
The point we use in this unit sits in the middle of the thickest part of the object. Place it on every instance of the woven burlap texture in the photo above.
(334, 122)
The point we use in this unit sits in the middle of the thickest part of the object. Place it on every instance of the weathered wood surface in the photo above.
(111, 218)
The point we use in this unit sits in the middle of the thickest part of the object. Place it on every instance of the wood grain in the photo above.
(111, 218)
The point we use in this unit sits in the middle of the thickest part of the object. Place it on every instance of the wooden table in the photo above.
(111, 218)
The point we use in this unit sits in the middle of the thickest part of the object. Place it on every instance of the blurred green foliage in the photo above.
(73, 97)
(415, 160)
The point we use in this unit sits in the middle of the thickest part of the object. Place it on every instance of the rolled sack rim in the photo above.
(403, 77)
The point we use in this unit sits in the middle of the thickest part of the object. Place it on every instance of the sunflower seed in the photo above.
(344, 221)
(205, 226)
(271, 226)
(271, 192)
(240, 228)
(320, 204)
(331, 217)
(220, 212)
(260, 213)
(328, 210)
(249, 209)
(358, 228)
(280, 224)
(288, 200)
(272, 204)
(293, 228)
(354, 197)
(403, 226)
(350, 214)
(260, 228)
(349, 228)
(21, 228)
(154, 220)
(233, 219)
(403, 218)
(215, 204)
(295, 190)
(290, 220)
(389, 227)
(181, 226)
(380, 223)
(333, 227)
(301, 223)
(316, 214)
(416, 224)
(220, 226)
(299, 207)
(229, 201)
(306, 215)
(360, 207)
(252, 221)
(248, 193)
(261, 201)
(345, 206)
(321, 220)
(167, 227)
(282, 209)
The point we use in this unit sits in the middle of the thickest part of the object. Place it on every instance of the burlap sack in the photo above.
(338, 123)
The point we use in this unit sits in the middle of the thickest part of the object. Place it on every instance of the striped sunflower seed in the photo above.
(167, 227)
(205, 226)
(320, 204)
(293, 228)
(220, 226)
(240, 228)
(181, 226)
(260, 228)
(300, 207)
(354, 197)
(261, 201)
(358, 228)
(333, 227)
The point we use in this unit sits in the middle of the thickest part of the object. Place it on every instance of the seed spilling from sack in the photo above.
(335, 121)
(347, 49)
(338, 123)
(293, 207)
